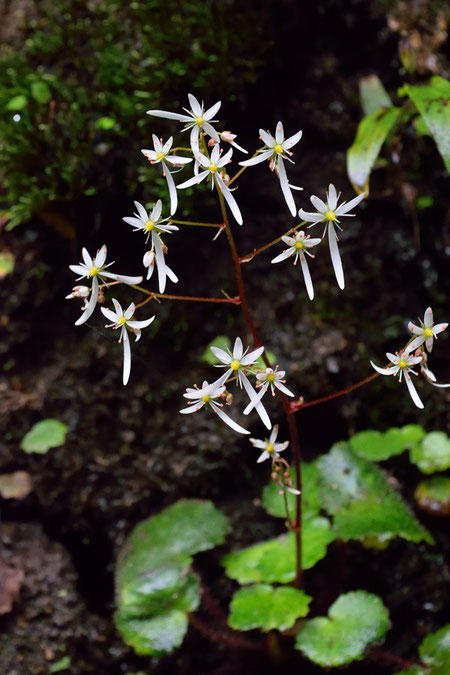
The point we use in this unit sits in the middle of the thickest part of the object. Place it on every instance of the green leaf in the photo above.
(273, 502)
(373, 95)
(6, 263)
(220, 341)
(433, 453)
(376, 445)
(155, 583)
(435, 651)
(60, 665)
(370, 136)
(433, 103)
(433, 495)
(273, 561)
(105, 123)
(266, 607)
(414, 670)
(157, 636)
(40, 91)
(17, 103)
(363, 503)
(356, 620)
(44, 435)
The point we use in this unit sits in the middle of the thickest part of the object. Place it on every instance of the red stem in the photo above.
(295, 406)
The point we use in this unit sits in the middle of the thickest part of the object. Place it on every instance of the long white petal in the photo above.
(160, 263)
(335, 257)
(100, 257)
(86, 257)
(307, 277)
(209, 114)
(267, 138)
(91, 304)
(256, 400)
(175, 159)
(311, 217)
(122, 277)
(141, 211)
(230, 200)
(286, 254)
(172, 189)
(194, 180)
(263, 456)
(140, 324)
(319, 204)
(259, 406)
(383, 371)
(252, 356)
(110, 315)
(169, 115)
(279, 133)
(293, 140)
(285, 188)
(436, 384)
(192, 408)
(281, 387)
(171, 274)
(134, 222)
(412, 390)
(346, 207)
(332, 197)
(126, 356)
(79, 269)
(209, 129)
(258, 159)
(415, 343)
(231, 423)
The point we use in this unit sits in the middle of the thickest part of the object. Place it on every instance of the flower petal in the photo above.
(126, 356)
(100, 257)
(141, 211)
(91, 304)
(192, 408)
(332, 197)
(335, 256)
(286, 254)
(160, 263)
(311, 217)
(293, 140)
(384, 371)
(412, 391)
(209, 114)
(285, 188)
(307, 277)
(230, 200)
(258, 159)
(172, 189)
(140, 324)
(259, 406)
(319, 204)
(170, 115)
(347, 206)
(279, 133)
(223, 416)
(194, 180)
(86, 257)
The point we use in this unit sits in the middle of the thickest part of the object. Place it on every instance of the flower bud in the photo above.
(225, 177)
(227, 136)
(211, 142)
(149, 258)
(79, 292)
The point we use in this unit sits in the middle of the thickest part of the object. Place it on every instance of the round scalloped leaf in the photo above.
(356, 620)
(273, 502)
(44, 435)
(433, 453)
(266, 607)
(433, 495)
(435, 651)
(273, 561)
(376, 445)
(361, 499)
(157, 636)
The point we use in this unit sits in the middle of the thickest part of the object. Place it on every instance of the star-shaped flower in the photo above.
(270, 448)
(276, 150)
(212, 166)
(238, 363)
(205, 396)
(160, 154)
(122, 319)
(403, 363)
(426, 332)
(153, 225)
(329, 212)
(94, 268)
(297, 247)
(196, 119)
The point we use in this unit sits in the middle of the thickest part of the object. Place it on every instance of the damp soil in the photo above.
(129, 454)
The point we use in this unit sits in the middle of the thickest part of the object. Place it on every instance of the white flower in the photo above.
(95, 269)
(160, 154)
(402, 364)
(329, 213)
(205, 396)
(197, 118)
(121, 319)
(276, 150)
(237, 363)
(153, 225)
(426, 332)
(79, 292)
(269, 378)
(228, 137)
(269, 447)
(297, 246)
(211, 166)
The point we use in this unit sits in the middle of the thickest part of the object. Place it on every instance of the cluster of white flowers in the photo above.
(404, 360)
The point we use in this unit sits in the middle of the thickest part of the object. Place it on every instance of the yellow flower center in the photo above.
(149, 225)
(270, 377)
(299, 245)
(234, 365)
(205, 398)
(428, 332)
(121, 321)
(269, 448)
(278, 148)
(93, 271)
(199, 121)
(330, 215)
(402, 363)
(213, 168)
(159, 156)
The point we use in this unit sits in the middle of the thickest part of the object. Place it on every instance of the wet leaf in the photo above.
(433, 103)
(433, 495)
(370, 136)
(17, 103)
(15, 485)
(105, 123)
(10, 582)
(377, 445)
(435, 651)
(363, 503)
(155, 583)
(6, 263)
(433, 453)
(266, 607)
(273, 502)
(373, 95)
(273, 561)
(44, 435)
(355, 621)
